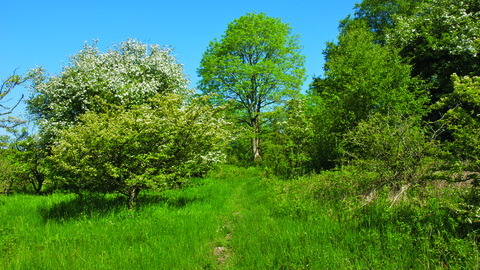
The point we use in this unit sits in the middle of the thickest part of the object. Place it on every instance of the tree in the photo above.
(8, 171)
(462, 118)
(128, 74)
(23, 162)
(441, 39)
(30, 157)
(257, 63)
(288, 139)
(361, 78)
(380, 14)
(146, 146)
(7, 86)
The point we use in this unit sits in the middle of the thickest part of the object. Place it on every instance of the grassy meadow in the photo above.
(236, 219)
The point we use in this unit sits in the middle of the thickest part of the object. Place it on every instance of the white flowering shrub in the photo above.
(446, 25)
(147, 146)
(127, 74)
(441, 38)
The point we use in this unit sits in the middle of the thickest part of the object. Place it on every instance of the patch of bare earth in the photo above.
(222, 253)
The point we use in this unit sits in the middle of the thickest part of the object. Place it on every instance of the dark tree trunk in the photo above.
(38, 179)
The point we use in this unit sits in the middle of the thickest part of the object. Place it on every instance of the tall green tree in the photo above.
(257, 64)
(361, 78)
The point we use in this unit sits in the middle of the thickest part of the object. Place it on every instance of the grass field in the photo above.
(233, 219)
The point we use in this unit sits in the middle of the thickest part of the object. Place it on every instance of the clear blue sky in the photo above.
(45, 32)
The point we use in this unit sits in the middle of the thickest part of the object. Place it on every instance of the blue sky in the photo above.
(45, 32)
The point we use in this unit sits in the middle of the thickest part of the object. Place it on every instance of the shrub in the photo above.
(395, 147)
(151, 146)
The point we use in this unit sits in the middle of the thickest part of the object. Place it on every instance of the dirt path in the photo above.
(222, 250)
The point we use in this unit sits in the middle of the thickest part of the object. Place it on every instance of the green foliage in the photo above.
(30, 156)
(463, 120)
(288, 139)
(380, 14)
(151, 146)
(239, 149)
(257, 64)
(395, 147)
(24, 163)
(442, 38)
(8, 171)
(324, 150)
(361, 78)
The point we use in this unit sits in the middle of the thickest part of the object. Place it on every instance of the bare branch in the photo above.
(7, 86)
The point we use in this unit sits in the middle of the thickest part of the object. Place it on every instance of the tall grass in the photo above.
(315, 224)
(175, 229)
(235, 219)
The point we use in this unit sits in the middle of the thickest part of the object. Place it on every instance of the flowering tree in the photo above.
(146, 146)
(128, 74)
(440, 39)
(379, 14)
(445, 25)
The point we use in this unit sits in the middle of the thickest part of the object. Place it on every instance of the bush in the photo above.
(151, 146)
(395, 147)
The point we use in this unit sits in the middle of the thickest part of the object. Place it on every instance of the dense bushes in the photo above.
(147, 146)
(393, 146)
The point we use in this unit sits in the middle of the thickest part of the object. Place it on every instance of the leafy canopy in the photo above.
(380, 14)
(442, 38)
(257, 64)
(146, 146)
(128, 74)
(362, 78)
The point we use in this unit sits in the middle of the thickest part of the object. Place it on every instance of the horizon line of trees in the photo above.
(399, 99)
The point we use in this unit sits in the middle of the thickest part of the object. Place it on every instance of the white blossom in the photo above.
(127, 74)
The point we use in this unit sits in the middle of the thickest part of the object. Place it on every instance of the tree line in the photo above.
(398, 102)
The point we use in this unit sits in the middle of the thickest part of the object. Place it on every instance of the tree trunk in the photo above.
(256, 139)
(38, 179)
(133, 196)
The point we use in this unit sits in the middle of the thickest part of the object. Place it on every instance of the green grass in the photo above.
(175, 229)
(234, 219)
